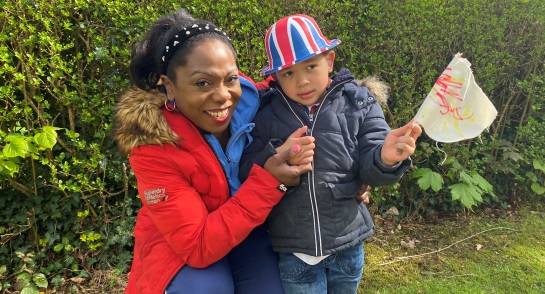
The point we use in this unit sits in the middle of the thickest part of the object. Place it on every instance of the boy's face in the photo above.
(306, 81)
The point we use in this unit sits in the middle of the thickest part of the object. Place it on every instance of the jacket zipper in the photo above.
(311, 182)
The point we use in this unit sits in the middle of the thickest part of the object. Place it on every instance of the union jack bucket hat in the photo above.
(293, 39)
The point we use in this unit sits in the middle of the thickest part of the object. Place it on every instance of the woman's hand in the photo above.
(306, 144)
(287, 174)
(400, 143)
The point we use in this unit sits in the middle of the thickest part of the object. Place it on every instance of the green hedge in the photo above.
(68, 198)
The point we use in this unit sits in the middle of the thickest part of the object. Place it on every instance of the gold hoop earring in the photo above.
(172, 105)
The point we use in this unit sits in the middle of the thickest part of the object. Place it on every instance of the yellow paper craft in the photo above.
(456, 107)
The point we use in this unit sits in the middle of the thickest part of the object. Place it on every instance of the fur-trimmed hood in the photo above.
(139, 120)
(379, 89)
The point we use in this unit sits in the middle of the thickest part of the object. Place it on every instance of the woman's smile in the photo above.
(219, 115)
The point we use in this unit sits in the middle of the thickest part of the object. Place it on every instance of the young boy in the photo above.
(318, 227)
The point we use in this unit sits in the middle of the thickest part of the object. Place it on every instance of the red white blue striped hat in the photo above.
(293, 39)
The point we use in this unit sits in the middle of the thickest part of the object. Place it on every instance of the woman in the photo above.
(184, 126)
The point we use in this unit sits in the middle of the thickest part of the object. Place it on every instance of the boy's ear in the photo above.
(330, 57)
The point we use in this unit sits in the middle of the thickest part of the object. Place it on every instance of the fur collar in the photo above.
(139, 121)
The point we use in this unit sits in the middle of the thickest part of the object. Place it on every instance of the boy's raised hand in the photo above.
(306, 144)
(400, 143)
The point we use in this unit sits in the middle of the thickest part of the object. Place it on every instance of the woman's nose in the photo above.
(223, 93)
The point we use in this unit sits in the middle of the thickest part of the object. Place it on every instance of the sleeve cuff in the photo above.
(383, 167)
(270, 150)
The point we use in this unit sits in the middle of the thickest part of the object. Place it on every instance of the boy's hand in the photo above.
(289, 175)
(306, 144)
(400, 143)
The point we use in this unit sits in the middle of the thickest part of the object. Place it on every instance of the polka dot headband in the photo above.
(182, 37)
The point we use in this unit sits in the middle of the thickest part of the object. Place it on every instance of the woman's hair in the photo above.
(146, 63)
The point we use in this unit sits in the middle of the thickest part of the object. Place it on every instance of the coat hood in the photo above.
(139, 118)
(379, 89)
(376, 87)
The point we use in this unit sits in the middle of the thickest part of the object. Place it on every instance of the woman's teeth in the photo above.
(218, 114)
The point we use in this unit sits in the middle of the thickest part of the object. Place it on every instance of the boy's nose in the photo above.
(302, 80)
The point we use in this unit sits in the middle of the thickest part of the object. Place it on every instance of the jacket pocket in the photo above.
(344, 190)
(345, 210)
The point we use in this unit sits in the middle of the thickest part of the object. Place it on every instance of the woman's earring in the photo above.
(170, 105)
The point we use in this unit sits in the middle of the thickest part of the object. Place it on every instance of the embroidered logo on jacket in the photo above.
(154, 196)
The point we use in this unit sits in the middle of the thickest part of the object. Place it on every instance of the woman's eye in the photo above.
(202, 83)
(232, 79)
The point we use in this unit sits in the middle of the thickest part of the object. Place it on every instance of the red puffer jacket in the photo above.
(188, 216)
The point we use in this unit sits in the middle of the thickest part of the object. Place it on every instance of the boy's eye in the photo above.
(312, 66)
(288, 73)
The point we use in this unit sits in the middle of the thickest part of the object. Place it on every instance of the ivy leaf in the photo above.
(537, 188)
(467, 193)
(25, 277)
(3, 270)
(429, 178)
(530, 175)
(539, 165)
(30, 289)
(58, 247)
(40, 280)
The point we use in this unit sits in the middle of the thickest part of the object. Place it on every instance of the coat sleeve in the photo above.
(201, 235)
(371, 137)
(261, 148)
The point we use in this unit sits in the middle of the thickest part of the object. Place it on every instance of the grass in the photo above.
(488, 252)
(485, 252)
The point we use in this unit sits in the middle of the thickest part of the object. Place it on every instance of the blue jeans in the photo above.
(339, 273)
(251, 267)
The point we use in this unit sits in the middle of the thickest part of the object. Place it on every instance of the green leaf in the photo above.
(537, 188)
(515, 156)
(30, 289)
(40, 280)
(8, 167)
(467, 193)
(12, 136)
(51, 129)
(46, 139)
(539, 165)
(481, 182)
(3, 270)
(68, 247)
(25, 277)
(17, 147)
(464, 177)
(58, 247)
(429, 178)
(531, 176)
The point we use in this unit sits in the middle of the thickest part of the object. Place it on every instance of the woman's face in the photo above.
(207, 89)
